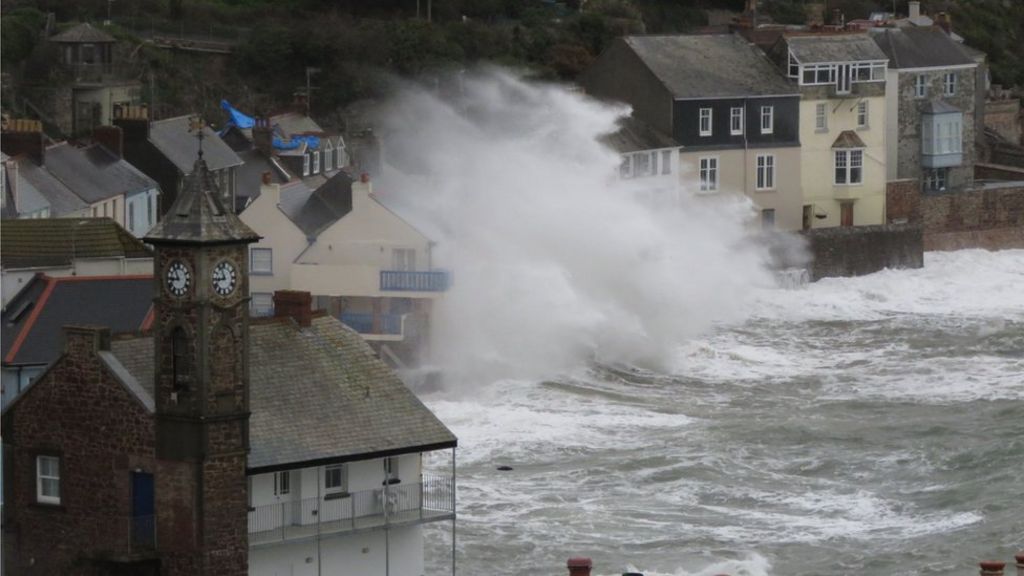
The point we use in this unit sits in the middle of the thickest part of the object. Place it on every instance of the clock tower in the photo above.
(201, 380)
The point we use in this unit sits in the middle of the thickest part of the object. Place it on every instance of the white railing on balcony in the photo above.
(429, 500)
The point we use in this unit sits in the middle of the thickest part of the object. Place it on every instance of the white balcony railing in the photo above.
(426, 501)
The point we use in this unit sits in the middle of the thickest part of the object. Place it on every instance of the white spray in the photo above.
(553, 262)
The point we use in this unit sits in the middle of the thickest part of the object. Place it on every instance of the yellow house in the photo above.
(362, 262)
(841, 77)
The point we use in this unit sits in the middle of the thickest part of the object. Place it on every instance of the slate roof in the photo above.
(35, 182)
(817, 49)
(94, 173)
(83, 33)
(635, 135)
(709, 66)
(317, 395)
(314, 212)
(37, 242)
(920, 47)
(294, 123)
(173, 139)
(32, 320)
(198, 215)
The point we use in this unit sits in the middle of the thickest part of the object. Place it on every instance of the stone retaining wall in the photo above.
(860, 250)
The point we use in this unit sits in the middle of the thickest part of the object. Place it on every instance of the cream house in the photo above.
(362, 262)
(841, 78)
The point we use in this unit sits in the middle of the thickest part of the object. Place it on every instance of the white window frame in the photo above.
(282, 483)
(260, 270)
(736, 121)
(847, 160)
(765, 172)
(340, 151)
(921, 86)
(767, 113)
(666, 161)
(936, 179)
(821, 117)
(305, 164)
(342, 470)
(862, 114)
(316, 162)
(41, 493)
(392, 469)
(626, 167)
(707, 170)
(257, 301)
(328, 156)
(949, 84)
(794, 66)
(705, 122)
(641, 165)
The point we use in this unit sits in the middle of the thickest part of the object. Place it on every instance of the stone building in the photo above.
(135, 455)
(931, 98)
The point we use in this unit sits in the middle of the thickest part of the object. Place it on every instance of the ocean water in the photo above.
(869, 426)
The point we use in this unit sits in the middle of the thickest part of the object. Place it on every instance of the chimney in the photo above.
(991, 568)
(85, 339)
(815, 14)
(134, 124)
(271, 190)
(263, 136)
(24, 137)
(944, 22)
(295, 305)
(579, 566)
(111, 137)
(914, 9)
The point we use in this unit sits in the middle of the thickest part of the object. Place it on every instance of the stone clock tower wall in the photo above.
(201, 392)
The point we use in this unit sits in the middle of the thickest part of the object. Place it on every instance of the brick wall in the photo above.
(990, 218)
(903, 201)
(101, 433)
(859, 250)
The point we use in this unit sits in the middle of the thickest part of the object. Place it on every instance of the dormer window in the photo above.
(305, 164)
(316, 162)
(794, 66)
(328, 157)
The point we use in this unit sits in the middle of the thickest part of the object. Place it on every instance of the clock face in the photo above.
(224, 278)
(178, 278)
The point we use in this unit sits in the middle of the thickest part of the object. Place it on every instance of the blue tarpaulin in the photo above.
(295, 142)
(237, 118)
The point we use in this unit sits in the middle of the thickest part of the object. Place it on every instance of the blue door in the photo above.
(143, 511)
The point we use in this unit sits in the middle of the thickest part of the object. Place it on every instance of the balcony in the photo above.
(388, 327)
(431, 500)
(405, 281)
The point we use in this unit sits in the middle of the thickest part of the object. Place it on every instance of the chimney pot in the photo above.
(579, 566)
(364, 177)
(267, 178)
(294, 304)
(991, 568)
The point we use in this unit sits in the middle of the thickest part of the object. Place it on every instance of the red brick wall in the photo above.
(102, 433)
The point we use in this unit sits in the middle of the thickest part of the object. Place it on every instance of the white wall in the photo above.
(140, 210)
(359, 554)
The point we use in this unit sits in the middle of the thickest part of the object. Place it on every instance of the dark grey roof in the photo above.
(249, 176)
(198, 215)
(294, 123)
(709, 66)
(33, 319)
(36, 242)
(917, 47)
(939, 107)
(816, 49)
(83, 33)
(317, 394)
(173, 139)
(94, 173)
(326, 205)
(635, 135)
(34, 182)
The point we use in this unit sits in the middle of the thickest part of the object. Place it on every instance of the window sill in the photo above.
(821, 130)
(336, 495)
(765, 189)
(53, 506)
(863, 128)
(253, 273)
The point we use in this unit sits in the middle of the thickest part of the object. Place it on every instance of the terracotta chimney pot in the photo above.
(579, 566)
(991, 568)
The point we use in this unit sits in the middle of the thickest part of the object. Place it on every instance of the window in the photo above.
(949, 84)
(403, 259)
(844, 74)
(305, 164)
(261, 261)
(316, 162)
(641, 165)
(341, 158)
(765, 171)
(48, 479)
(282, 483)
(261, 304)
(767, 119)
(335, 478)
(149, 209)
(921, 86)
(821, 117)
(794, 66)
(862, 114)
(626, 168)
(391, 470)
(849, 166)
(705, 121)
(936, 180)
(941, 134)
(768, 219)
(131, 216)
(666, 162)
(736, 121)
(708, 174)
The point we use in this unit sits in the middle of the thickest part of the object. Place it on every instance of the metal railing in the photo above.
(431, 499)
(406, 281)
